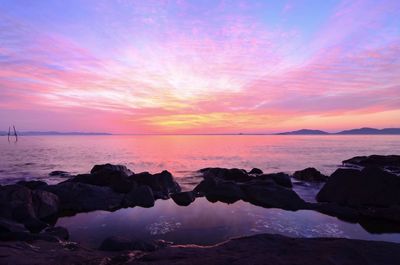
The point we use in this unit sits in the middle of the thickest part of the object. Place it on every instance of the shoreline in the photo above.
(354, 195)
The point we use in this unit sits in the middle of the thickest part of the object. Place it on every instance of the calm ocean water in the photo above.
(202, 222)
(34, 156)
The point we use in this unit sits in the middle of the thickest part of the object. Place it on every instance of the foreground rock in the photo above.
(26, 206)
(162, 184)
(309, 174)
(256, 250)
(81, 197)
(266, 190)
(183, 198)
(389, 162)
(371, 192)
(119, 244)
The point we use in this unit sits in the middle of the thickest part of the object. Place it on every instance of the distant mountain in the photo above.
(360, 131)
(36, 133)
(304, 132)
(371, 131)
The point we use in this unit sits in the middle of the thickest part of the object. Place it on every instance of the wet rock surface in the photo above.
(27, 206)
(257, 250)
(266, 190)
(183, 198)
(309, 174)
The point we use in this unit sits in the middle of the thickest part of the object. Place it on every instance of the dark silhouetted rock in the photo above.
(119, 244)
(280, 178)
(141, 196)
(232, 174)
(370, 187)
(32, 184)
(271, 195)
(109, 168)
(183, 198)
(225, 191)
(256, 250)
(45, 204)
(309, 174)
(117, 177)
(374, 160)
(81, 197)
(58, 232)
(162, 183)
(256, 171)
(60, 173)
(26, 206)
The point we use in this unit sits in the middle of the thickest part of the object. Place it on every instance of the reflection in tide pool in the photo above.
(208, 223)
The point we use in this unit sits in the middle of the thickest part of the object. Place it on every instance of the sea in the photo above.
(203, 222)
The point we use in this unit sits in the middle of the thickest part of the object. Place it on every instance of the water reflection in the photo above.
(207, 223)
(35, 157)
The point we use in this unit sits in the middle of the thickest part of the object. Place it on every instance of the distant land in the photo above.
(38, 133)
(360, 131)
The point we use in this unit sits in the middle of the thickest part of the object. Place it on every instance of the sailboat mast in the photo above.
(9, 132)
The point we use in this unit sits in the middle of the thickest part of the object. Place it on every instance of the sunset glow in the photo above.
(199, 66)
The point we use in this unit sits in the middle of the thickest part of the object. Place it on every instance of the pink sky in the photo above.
(186, 67)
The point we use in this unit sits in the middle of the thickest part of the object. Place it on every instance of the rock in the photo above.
(256, 171)
(225, 191)
(116, 177)
(280, 178)
(233, 174)
(183, 198)
(370, 187)
(81, 197)
(108, 168)
(32, 184)
(45, 204)
(141, 196)
(162, 183)
(58, 231)
(119, 244)
(276, 249)
(9, 229)
(309, 174)
(375, 160)
(60, 173)
(271, 195)
(27, 207)
(204, 186)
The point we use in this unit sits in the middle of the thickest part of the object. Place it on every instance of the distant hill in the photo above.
(304, 132)
(36, 133)
(371, 131)
(360, 131)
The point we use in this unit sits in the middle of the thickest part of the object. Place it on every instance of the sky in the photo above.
(199, 66)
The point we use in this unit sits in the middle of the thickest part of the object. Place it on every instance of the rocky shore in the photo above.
(364, 190)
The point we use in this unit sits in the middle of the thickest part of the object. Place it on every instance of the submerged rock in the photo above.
(183, 198)
(60, 173)
(309, 174)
